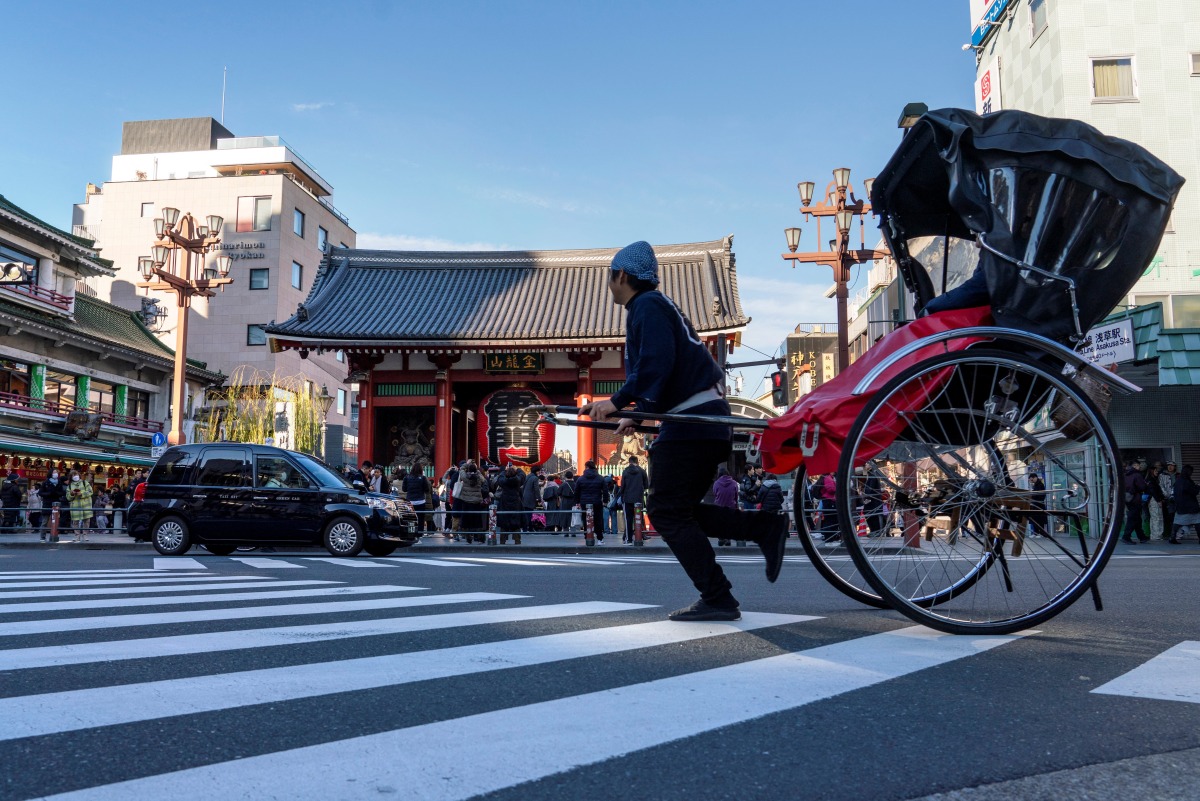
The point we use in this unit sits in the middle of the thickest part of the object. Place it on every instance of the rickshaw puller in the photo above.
(669, 369)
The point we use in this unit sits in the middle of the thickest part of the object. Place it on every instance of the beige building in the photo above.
(279, 222)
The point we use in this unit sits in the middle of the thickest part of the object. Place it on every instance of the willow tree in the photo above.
(249, 408)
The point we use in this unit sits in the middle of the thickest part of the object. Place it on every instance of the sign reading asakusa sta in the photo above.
(1109, 343)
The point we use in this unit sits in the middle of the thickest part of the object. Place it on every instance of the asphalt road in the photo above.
(515, 676)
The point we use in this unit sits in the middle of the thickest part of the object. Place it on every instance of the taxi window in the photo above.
(276, 472)
(224, 467)
(172, 467)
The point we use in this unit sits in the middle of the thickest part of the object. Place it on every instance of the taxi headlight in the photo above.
(383, 504)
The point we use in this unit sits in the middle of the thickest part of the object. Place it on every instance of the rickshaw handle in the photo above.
(1072, 359)
(702, 419)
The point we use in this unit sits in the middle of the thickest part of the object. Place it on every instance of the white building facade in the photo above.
(1131, 68)
(279, 222)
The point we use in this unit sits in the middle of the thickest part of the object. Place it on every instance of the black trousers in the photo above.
(597, 519)
(681, 473)
(630, 520)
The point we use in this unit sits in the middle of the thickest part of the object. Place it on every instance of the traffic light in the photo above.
(779, 388)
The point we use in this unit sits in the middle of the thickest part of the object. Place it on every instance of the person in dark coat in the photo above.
(634, 482)
(725, 492)
(669, 368)
(419, 491)
(1187, 507)
(1135, 485)
(589, 493)
(509, 504)
(770, 494)
(567, 501)
(10, 498)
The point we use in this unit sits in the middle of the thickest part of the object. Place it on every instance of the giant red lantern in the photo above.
(507, 433)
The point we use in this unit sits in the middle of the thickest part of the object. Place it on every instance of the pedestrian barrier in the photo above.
(36, 520)
(52, 535)
(491, 535)
(638, 522)
(589, 531)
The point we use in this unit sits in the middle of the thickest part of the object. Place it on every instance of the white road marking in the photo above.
(52, 713)
(116, 650)
(19, 628)
(525, 743)
(28, 574)
(343, 562)
(569, 559)
(270, 564)
(504, 560)
(1173, 675)
(75, 592)
(430, 562)
(177, 563)
(206, 577)
(58, 606)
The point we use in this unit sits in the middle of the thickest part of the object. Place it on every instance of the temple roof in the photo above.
(407, 299)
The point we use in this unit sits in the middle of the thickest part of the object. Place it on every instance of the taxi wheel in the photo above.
(344, 537)
(171, 536)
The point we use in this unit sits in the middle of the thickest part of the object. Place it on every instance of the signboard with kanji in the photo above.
(1109, 343)
(513, 363)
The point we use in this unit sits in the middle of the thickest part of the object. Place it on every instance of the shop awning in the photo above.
(40, 448)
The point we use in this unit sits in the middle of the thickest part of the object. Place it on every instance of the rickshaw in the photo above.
(1014, 235)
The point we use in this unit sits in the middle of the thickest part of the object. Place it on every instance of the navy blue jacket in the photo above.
(589, 487)
(666, 363)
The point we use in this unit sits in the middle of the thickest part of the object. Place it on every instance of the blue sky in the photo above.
(507, 124)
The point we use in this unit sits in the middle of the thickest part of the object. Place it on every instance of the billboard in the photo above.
(987, 89)
(981, 14)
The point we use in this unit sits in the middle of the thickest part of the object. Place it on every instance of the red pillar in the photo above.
(443, 413)
(585, 442)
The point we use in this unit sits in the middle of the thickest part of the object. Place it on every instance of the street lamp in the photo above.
(325, 400)
(839, 203)
(177, 265)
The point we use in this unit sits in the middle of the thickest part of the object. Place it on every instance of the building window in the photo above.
(322, 239)
(1113, 79)
(100, 396)
(1185, 311)
(1195, 63)
(59, 388)
(341, 401)
(260, 278)
(147, 209)
(1037, 18)
(253, 214)
(298, 222)
(297, 276)
(137, 404)
(256, 334)
(29, 261)
(354, 410)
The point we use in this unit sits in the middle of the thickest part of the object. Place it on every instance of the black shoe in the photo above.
(774, 543)
(1174, 541)
(1129, 540)
(704, 611)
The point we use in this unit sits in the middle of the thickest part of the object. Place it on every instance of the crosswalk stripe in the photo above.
(52, 713)
(27, 574)
(342, 562)
(76, 591)
(505, 560)
(26, 627)
(57, 606)
(1173, 675)
(525, 743)
(178, 563)
(183, 644)
(260, 562)
(418, 561)
(129, 580)
(571, 559)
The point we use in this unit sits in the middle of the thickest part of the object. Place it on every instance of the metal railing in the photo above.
(48, 523)
(48, 296)
(63, 408)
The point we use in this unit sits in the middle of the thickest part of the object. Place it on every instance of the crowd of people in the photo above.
(1160, 503)
(458, 505)
(85, 507)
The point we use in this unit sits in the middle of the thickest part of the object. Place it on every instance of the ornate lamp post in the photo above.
(325, 400)
(840, 203)
(178, 266)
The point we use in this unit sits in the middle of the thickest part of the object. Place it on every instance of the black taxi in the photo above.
(223, 495)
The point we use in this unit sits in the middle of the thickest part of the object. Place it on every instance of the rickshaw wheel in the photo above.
(975, 426)
(830, 558)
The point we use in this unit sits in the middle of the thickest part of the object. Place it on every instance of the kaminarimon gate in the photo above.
(448, 347)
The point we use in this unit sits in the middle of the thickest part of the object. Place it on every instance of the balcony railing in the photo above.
(55, 299)
(62, 409)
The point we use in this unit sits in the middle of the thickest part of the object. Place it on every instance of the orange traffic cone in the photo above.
(861, 528)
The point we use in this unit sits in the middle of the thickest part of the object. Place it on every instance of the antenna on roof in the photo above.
(224, 73)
